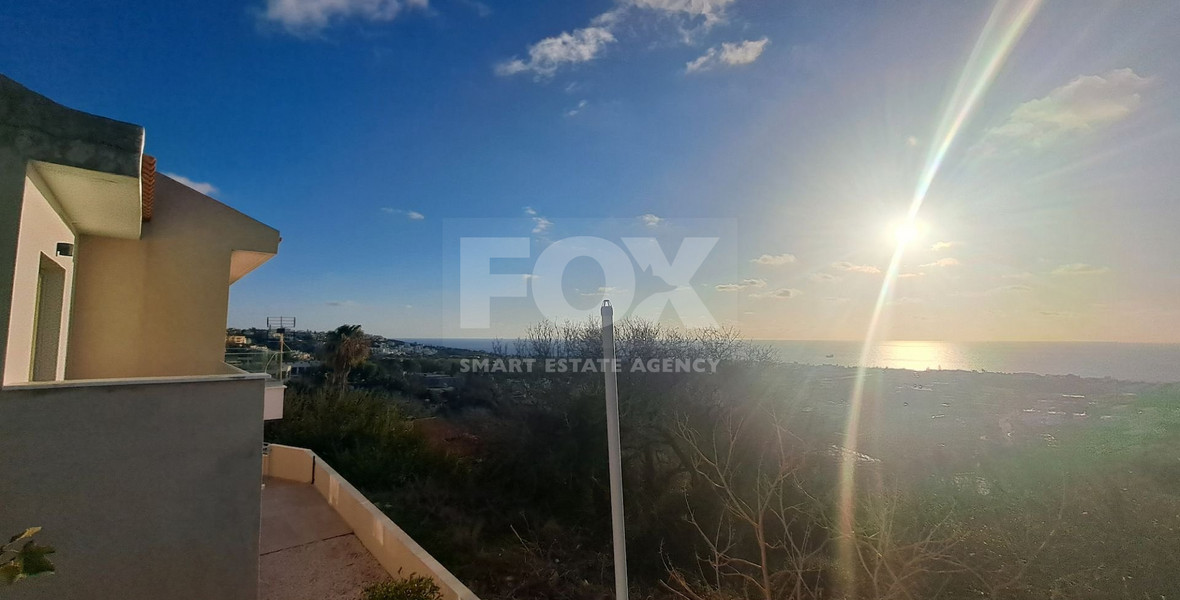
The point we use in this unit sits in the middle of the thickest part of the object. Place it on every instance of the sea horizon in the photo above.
(1150, 362)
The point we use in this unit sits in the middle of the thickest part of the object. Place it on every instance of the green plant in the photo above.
(410, 588)
(22, 557)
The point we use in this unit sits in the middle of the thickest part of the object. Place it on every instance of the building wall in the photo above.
(147, 491)
(157, 306)
(41, 228)
(32, 127)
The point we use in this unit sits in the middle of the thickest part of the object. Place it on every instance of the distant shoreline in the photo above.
(1125, 361)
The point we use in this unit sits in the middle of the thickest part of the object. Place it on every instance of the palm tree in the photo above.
(346, 348)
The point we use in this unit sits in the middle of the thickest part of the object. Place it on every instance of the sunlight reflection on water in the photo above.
(1136, 362)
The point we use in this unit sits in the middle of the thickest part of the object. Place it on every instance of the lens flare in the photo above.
(1008, 21)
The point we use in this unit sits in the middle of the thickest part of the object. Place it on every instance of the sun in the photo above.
(909, 231)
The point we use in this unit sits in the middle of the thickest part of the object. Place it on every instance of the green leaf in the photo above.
(23, 557)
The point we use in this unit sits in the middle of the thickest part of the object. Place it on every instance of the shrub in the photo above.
(411, 588)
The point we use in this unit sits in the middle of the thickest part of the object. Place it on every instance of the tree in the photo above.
(346, 348)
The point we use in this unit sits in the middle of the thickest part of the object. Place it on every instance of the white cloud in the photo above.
(852, 268)
(821, 276)
(553, 53)
(744, 285)
(604, 291)
(1080, 269)
(575, 111)
(779, 294)
(775, 260)
(651, 221)
(730, 54)
(205, 188)
(943, 262)
(541, 225)
(1083, 105)
(943, 246)
(412, 215)
(712, 11)
(312, 16)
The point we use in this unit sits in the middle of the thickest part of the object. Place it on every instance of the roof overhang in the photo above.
(241, 262)
(95, 203)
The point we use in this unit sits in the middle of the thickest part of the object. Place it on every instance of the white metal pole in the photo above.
(614, 450)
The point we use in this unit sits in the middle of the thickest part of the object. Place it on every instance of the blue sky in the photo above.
(373, 133)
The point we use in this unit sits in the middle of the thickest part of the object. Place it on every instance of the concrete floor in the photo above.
(307, 552)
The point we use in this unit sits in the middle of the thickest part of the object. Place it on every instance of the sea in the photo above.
(1153, 363)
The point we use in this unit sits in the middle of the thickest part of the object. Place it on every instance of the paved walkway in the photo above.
(307, 551)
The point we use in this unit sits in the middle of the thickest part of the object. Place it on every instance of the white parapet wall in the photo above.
(148, 489)
(395, 550)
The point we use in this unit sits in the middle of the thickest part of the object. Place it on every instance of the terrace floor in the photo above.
(307, 552)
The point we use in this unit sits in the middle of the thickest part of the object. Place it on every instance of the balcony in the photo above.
(322, 540)
(268, 362)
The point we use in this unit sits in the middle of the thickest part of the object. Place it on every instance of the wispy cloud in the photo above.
(307, 17)
(412, 215)
(541, 225)
(730, 54)
(821, 276)
(571, 48)
(1080, 269)
(745, 284)
(575, 111)
(943, 263)
(1083, 105)
(711, 11)
(603, 291)
(552, 53)
(779, 294)
(205, 188)
(943, 246)
(775, 260)
(854, 268)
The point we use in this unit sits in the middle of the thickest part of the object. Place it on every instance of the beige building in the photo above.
(123, 433)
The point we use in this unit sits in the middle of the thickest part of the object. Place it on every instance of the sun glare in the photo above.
(909, 232)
